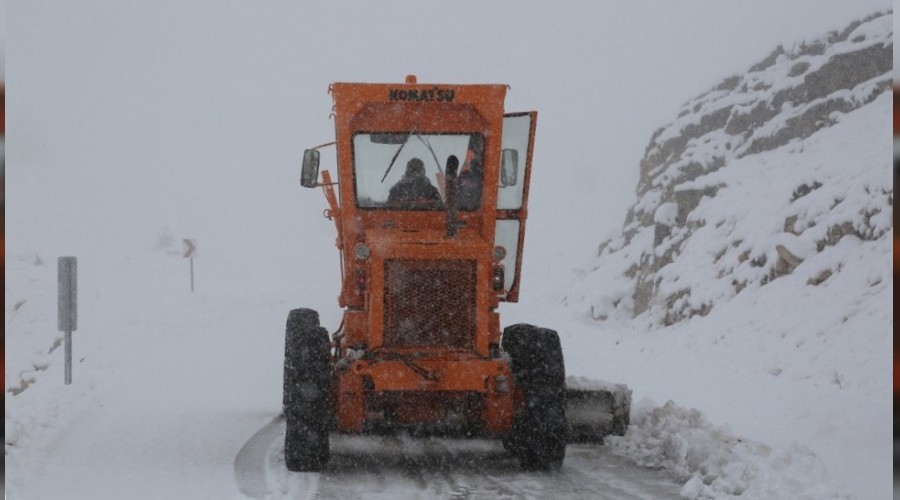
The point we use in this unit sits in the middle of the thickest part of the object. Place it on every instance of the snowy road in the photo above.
(406, 467)
(176, 395)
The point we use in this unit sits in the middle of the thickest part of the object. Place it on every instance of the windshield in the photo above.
(405, 171)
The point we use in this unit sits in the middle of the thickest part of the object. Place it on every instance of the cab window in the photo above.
(405, 171)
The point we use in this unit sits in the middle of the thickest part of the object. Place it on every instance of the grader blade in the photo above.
(596, 410)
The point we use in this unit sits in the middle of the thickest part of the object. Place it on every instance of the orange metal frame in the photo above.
(369, 107)
(427, 108)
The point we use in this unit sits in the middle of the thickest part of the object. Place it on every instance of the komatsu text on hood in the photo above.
(436, 94)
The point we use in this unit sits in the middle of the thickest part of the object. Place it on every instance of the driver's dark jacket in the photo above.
(414, 188)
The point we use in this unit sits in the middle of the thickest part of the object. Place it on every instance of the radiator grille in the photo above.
(429, 303)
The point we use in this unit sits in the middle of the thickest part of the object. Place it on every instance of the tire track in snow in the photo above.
(617, 475)
(260, 472)
(250, 462)
(410, 467)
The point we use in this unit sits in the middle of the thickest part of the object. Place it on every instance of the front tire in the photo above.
(538, 437)
(307, 373)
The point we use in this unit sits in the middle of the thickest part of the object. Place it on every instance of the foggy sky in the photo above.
(193, 115)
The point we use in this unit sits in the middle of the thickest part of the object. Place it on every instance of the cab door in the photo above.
(512, 199)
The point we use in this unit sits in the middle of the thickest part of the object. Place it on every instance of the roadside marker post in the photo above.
(190, 246)
(67, 317)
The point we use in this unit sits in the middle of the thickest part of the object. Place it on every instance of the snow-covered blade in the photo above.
(595, 409)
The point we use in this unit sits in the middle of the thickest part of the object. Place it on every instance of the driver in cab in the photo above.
(414, 190)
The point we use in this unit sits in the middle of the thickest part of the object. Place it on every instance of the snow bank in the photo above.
(718, 465)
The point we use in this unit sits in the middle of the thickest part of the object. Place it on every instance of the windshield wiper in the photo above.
(386, 172)
(433, 155)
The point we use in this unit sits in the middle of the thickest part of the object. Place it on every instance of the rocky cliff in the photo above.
(764, 171)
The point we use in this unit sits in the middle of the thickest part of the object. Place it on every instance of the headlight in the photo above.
(498, 280)
(361, 251)
(498, 254)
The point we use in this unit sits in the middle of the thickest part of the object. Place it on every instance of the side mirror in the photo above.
(310, 174)
(509, 167)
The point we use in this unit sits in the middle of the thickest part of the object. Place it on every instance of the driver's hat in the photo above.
(415, 166)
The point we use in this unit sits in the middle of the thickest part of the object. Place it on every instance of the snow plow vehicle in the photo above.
(430, 210)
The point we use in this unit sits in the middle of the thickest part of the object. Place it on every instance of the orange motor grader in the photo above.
(430, 208)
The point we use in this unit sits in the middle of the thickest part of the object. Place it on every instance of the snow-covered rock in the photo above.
(747, 183)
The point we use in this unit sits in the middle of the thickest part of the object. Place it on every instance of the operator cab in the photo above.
(457, 165)
(377, 155)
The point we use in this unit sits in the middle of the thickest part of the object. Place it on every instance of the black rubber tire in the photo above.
(538, 437)
(307, 374)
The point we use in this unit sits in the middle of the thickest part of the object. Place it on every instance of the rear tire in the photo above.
(538, 437)
(307, 373)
